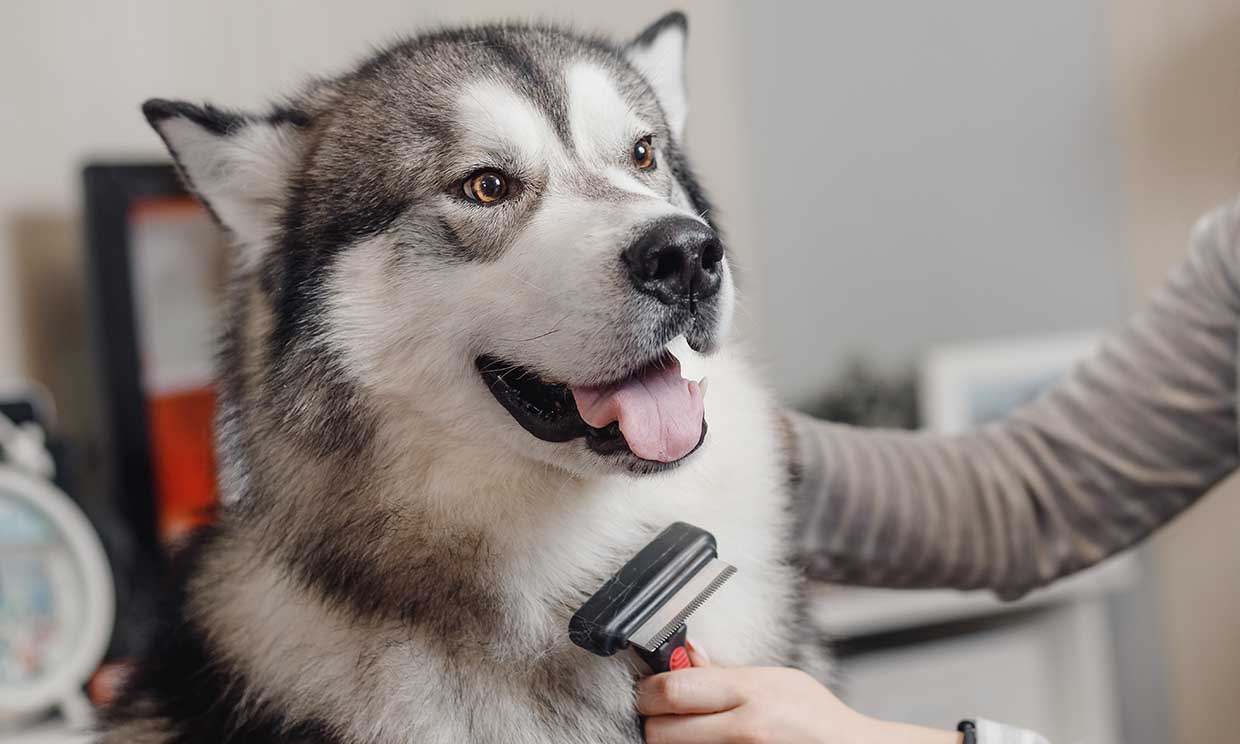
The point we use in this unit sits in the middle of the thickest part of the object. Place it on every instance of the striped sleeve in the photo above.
(1129, 439)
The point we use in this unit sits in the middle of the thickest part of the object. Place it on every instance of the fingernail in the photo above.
(697, 655)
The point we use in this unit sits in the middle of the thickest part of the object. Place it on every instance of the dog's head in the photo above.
(493, 228)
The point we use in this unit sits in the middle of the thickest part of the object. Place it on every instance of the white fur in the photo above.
(662, 61)
(546, 508)
(548, 302)
(242, 175)
(601, 123)
(554, 532)
(555, 515)
(496, 119)
(625, 180)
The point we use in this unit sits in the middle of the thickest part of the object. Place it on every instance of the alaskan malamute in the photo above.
(476, 302)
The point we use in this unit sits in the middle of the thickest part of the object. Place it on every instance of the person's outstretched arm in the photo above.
(1134, 435)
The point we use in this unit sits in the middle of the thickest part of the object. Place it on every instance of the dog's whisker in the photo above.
(531, 338)
(524, 280)
(500, 372)
(555, 329)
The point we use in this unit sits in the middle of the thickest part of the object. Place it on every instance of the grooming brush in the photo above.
(646, 603)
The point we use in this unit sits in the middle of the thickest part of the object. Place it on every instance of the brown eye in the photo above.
(486, 187)
(643, 153)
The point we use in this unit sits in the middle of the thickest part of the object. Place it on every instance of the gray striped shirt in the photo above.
(1134, 435)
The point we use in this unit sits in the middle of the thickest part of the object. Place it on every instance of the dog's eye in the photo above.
(643, 153)
(486, 187)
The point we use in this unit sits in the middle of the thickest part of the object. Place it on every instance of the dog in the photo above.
(477, 303)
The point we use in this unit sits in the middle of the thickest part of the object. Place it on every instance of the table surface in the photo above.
(51, 733)
(850, 612)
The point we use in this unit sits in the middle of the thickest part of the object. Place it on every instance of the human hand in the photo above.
(754, 705)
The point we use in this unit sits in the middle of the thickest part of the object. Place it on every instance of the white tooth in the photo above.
(702, 385)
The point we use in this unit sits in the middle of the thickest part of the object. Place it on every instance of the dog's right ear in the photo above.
(238, 164)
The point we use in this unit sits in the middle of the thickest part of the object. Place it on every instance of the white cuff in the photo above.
(990, 732)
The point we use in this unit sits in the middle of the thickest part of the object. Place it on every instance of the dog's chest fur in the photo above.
(502, 671)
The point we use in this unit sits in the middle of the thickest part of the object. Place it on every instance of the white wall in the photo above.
(929, 172)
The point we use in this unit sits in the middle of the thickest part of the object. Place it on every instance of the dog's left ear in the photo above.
(658, 53)
(237, 164)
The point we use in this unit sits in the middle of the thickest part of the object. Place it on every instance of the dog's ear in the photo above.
(658, 53)
(238, 164)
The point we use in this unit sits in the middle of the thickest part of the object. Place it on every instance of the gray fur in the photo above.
(397, 559)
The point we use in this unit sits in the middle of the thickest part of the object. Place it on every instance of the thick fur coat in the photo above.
(400, 549)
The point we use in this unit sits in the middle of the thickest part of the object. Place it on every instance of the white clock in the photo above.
(57, 603)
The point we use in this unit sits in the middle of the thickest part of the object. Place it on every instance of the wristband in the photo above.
(969, 729)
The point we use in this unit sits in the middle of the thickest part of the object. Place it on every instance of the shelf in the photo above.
(850, 612)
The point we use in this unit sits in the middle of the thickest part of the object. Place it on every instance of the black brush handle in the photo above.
(604, 624)
(670, 655)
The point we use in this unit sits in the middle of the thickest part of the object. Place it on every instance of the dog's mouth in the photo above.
(652, 414)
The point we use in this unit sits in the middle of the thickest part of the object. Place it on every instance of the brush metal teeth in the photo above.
(664, 623)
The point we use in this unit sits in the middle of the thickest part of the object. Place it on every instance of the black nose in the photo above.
(676, 260)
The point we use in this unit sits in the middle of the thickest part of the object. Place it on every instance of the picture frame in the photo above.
(110, 190)
(146, 237)
(967, 384)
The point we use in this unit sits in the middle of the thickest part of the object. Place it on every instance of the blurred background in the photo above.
(935, 207)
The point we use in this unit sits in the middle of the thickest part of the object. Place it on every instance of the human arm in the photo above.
(1133, 436)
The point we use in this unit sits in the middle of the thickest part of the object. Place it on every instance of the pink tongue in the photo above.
(660, 412)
